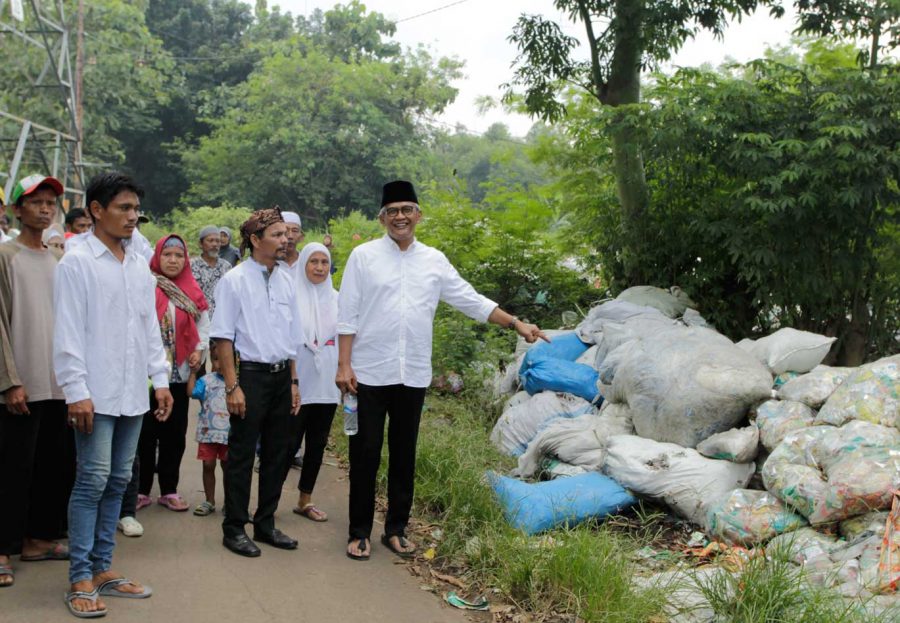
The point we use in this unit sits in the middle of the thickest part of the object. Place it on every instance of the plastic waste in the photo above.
(566, 347)
(748, 517)
(612, 311)
(579, 441)
(684, 384)
(519, 424)
(814, 388)
(558, 375)
(789, 350)
(889, 562)
(673, 302)
(537, 507)
(681, 477)
(871, 393)
(829, 474)
(739, 445)
(777, 418)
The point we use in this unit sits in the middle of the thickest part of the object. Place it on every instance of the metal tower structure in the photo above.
(26, 146)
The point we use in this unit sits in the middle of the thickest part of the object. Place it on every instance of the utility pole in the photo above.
(79, 74)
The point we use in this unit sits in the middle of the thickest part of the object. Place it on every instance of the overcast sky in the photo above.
(476, 31)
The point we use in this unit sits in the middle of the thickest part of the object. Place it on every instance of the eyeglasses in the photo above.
(406, 210)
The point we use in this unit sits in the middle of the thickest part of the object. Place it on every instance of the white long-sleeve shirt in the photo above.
(106, 338)
(258, 312)
(388, 299)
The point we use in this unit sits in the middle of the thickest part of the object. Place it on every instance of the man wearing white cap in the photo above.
(294, 240)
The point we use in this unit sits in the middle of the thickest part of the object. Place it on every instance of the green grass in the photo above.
(585, 572)
(770, 589)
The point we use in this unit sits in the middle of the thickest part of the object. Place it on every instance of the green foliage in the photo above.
(875, 22)
(316, 134)
(773, 195)
(120, 92)
(188, 223)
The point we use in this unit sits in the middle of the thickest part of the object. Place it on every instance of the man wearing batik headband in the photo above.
(389, 293)
(258, 321)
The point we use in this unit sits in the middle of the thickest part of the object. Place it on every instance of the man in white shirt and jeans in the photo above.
(389, 294)
(106, 344)
(258, 320)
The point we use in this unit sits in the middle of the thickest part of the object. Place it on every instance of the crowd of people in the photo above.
(105, 340)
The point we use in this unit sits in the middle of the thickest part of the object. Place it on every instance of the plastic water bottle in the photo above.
(351, 417)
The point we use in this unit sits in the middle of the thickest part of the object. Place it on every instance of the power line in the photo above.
(440, 8)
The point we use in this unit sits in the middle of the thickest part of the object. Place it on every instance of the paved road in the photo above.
(196, 579)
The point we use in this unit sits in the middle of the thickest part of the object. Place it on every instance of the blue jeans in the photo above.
(105, 458)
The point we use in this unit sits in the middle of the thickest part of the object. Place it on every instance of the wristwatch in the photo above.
(230, 390)
(512, 323)
(295, 381)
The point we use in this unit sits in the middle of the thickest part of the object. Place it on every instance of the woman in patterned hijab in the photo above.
(183, 318)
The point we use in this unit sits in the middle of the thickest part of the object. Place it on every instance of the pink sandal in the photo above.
(173, 502)
(143, 501)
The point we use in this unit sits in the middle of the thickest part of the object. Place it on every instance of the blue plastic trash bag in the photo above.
(542, 506)
(562, 376)
(564, 347)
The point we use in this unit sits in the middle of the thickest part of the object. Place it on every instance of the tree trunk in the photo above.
(622, 88)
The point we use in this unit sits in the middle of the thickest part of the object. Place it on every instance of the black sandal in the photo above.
(362, 542)
(386, 541)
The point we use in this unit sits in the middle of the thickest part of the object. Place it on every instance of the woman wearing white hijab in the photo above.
(316, 370)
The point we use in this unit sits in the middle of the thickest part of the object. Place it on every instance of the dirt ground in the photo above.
(194, 578)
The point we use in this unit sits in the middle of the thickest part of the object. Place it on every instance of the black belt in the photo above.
(271, 368)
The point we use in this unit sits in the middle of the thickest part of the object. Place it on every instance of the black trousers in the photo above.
(168, 438)
(129, 500)
(33, 489)
(267, 419)
(313, 423)
(403, 405)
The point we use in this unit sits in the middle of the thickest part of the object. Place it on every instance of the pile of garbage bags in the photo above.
(749, 441)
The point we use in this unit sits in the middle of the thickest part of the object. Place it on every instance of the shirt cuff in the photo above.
(160, 381)
(76, 392)
(222, 336)
(344, 328)
(487, 308)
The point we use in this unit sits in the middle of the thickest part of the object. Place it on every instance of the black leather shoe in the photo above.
(241, 544)
(275, 538)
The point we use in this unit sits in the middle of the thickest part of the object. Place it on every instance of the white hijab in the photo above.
(318, 303)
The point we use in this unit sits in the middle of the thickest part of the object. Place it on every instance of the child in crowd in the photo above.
(212, 427)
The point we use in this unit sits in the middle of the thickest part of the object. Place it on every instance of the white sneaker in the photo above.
(129, 526)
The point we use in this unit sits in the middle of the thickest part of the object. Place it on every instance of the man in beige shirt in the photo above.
(32, 406)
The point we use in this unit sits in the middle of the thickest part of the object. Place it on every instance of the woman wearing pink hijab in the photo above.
(184, 322)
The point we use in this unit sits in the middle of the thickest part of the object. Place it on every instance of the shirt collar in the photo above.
(392, 244)
(98, 248)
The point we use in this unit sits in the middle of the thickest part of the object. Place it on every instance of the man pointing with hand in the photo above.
(389, 294)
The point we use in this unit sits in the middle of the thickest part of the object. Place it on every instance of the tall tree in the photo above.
(875, 22)
(624, 37)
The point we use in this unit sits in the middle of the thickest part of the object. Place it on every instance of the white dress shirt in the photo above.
(258, 312)
(106, 339)
(388, 299)
(138, 242)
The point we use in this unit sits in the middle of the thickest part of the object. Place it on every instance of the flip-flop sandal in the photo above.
(143, 501)
(311, 512)
(108, 589)
(8, 570)
(173, 502)
(360, 557)
(204, 508)
(386, 541)
(83, 614)
(57, 552)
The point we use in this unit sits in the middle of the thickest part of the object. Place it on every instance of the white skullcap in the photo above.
(292, 217)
